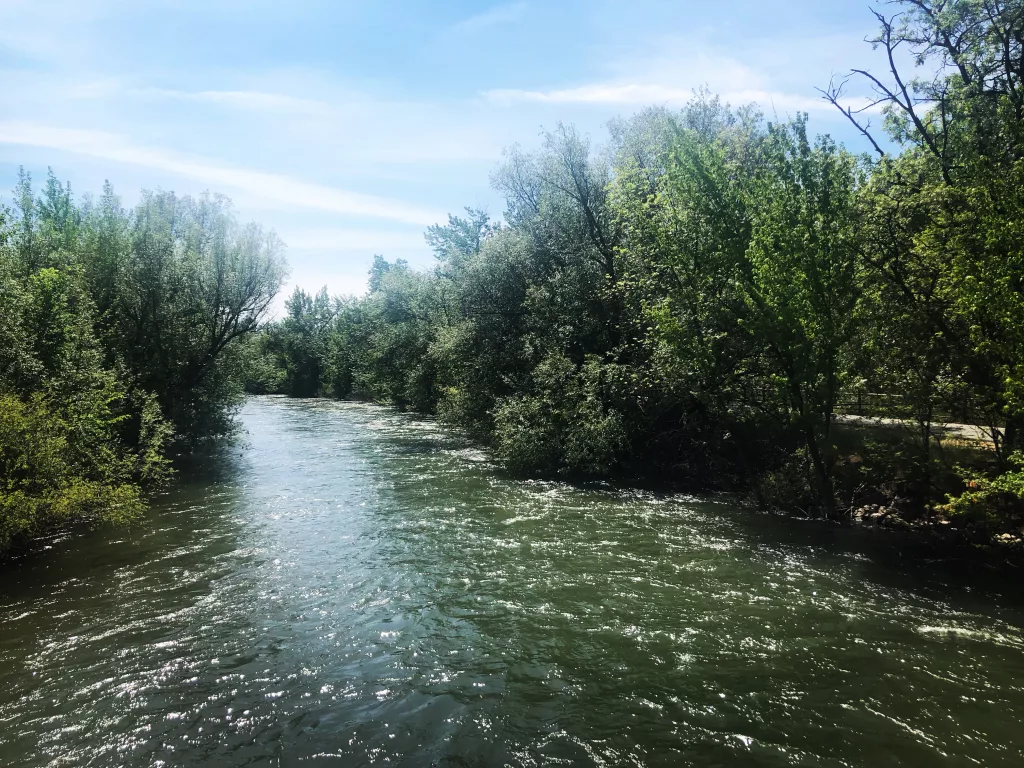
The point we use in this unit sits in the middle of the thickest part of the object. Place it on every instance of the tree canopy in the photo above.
(700, 297)
(120, 335)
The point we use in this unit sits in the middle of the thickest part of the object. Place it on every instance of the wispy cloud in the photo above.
(595, 93)
(249, 100)
(671, 70)
(369, 240)
(636, 94)
(311, 275)
(499, 14)
(267, 186)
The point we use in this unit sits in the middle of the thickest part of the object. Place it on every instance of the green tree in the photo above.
(300, 342)
(190, 283)
(745, 261)
(961, 132)
(74, 443)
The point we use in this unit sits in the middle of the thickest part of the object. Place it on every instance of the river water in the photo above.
(350, 586)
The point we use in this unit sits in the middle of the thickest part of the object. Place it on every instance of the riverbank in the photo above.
(928, 534)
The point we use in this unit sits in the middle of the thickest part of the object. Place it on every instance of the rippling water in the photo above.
(351, 587)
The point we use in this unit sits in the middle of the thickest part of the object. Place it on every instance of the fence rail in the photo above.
(886, 405)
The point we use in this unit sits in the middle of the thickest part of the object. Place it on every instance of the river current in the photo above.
(351, 586)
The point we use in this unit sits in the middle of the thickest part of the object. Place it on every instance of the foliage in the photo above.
(119, 335)
(189, 281)
(48, 478)
(701, 297)
(300, 342)
(990, 500)
(565, 428)
(74, 444)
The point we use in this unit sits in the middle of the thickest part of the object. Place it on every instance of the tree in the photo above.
(745, 262)
(191, 282)
(110, 321)
(962, 130)
(74, 443)
(300, 341)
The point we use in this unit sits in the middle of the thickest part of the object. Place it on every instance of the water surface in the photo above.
(351, 586)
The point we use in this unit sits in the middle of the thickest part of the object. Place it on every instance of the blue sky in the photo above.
(349, 126)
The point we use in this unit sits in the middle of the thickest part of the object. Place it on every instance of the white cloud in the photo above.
(310, 280)
(251, 100)
(346, 127)
(268, 186)
(499, 14)
(597, 93)
(674, 68)
(637, 94)
(369, 240)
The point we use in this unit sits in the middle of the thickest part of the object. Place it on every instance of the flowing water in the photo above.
(349, 586)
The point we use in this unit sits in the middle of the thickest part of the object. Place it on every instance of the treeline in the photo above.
(120, 334)
(698, 298)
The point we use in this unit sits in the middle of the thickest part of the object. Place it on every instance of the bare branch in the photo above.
(832, 95)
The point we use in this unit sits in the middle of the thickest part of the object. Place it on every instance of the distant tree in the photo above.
(300, 342)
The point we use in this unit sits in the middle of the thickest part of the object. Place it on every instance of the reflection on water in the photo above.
(352, 587)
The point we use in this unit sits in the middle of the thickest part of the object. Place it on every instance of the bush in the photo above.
(74, 444)
(562, 430)
(990, 501)
(47, 478)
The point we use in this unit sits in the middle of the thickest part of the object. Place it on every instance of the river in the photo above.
(350, 586)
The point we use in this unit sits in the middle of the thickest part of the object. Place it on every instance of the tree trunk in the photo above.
(822, 474)
(1013, 435)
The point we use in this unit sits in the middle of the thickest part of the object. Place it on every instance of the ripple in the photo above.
(358, 586)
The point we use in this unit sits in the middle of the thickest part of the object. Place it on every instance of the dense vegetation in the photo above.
(120, 337)
(694, 301)
(701, 296)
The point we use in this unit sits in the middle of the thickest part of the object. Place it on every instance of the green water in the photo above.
(351, 587)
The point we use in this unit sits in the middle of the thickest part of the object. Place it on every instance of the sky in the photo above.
(350, 126)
